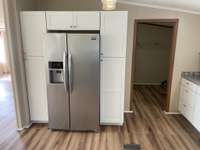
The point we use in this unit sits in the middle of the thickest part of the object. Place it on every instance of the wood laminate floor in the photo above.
(148, 126)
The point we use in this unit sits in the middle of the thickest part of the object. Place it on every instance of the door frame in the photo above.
(17, 70)
(175, 23)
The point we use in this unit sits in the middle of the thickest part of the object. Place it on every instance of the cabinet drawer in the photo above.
(187, 97)
(189, 85)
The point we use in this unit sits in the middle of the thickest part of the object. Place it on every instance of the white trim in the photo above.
(147, 83)
(36, 121)
(26, 127)
(172, 113)
(159, 7)
(14, 47)
(20, 129)
(128, 112)
(11, 63)
(111, 124)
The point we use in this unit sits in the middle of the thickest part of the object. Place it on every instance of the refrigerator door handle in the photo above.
(64, 70)
(70, 70)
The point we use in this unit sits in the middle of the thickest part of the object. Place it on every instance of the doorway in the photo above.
(153, 59)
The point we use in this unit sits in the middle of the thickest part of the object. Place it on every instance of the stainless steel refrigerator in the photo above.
(73, 81)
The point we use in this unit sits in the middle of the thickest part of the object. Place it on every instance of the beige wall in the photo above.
(188, 45)
(69, 4)
(26, 4)
(152, 54)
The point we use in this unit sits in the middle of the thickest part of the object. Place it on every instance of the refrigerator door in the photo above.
(55, 45)
(84, 78)
(57, 92)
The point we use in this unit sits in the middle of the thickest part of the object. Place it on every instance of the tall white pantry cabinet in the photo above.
(113, 54)
(33, 28)
(113, 31)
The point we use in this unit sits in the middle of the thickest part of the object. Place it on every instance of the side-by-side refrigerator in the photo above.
(73, 81)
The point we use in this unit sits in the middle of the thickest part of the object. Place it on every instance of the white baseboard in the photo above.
(36, 121)
(20, 129)
(25, 127)
(146, 83)
(111, 124)
(172, 113)
(128, 112)
(28, 126)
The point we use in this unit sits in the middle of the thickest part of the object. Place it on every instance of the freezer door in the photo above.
(57, 92)
(55, 45)
(84, 77)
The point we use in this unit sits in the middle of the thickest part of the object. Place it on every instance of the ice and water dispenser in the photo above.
(56, 73)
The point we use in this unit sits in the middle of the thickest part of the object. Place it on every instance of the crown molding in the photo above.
(158, 7)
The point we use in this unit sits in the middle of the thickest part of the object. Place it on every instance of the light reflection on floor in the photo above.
(5, 82)
(6, 98)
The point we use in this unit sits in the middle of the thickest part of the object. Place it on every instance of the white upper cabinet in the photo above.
(33, 28)
(113, 33)
(58, 20)
(87, 20)
(72, 20)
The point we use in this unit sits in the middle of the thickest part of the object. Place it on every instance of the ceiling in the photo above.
(192, 6)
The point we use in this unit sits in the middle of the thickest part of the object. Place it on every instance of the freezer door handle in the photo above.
(64, 70)
(70, 71)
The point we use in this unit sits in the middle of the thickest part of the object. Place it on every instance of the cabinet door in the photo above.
(33, 28)
(87, 20)
(114, 33)
(112, 91)
(36, 84)
(58, 20)
(196, 118)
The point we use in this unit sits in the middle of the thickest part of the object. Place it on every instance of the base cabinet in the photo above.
(196, 114)
(112, 91)
(189, 104)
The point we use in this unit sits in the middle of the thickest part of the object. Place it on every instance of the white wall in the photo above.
(152, 54)
(1, 14)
